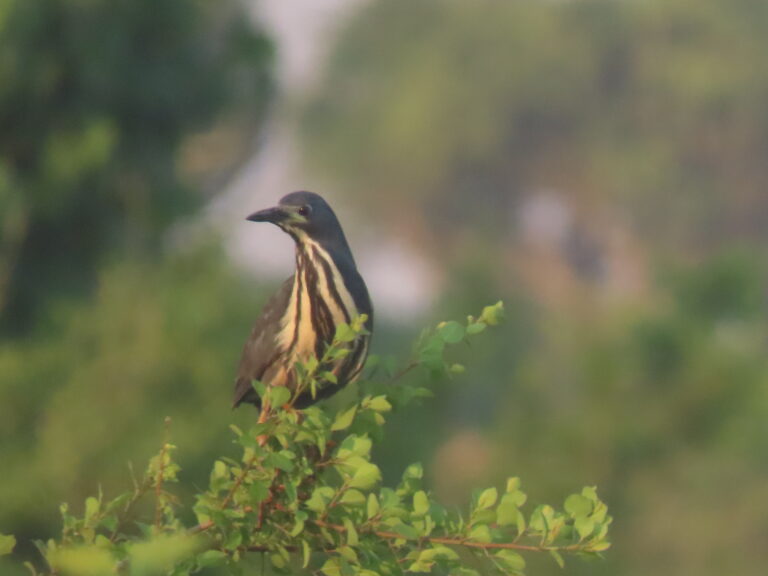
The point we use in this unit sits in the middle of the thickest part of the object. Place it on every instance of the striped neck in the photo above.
(320, 300)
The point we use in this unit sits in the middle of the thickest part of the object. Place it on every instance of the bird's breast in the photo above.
(319, 301)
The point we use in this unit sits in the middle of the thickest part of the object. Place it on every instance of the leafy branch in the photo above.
(305, 493)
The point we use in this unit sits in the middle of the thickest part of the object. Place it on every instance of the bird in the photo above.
(300, 319)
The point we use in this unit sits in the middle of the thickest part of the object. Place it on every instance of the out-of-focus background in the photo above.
(600, 165)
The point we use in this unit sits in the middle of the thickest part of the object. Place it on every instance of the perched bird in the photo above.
(300, 320)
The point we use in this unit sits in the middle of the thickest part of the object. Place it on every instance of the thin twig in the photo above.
(138, 492)
(456, 541)
(262, 440)
(413, 364)
(160, 474)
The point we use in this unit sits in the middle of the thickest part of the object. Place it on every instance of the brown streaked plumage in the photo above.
(301, 317)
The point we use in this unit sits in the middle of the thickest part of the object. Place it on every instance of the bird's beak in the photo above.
(274, 215)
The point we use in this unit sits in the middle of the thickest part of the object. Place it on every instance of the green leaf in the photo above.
(414, 472)
(259, 491)
(348, 554)
(406, 531)
(92, 506)
(211, 558)
(584, 527)
(278, 562)
(457, 369)
(541, 518)
(420, 503)
(475, 328)
(513, 484)
(279, 396)
(345, 333)
(520, 522)
(487, 498)
(351, 464)
(331, 567)
(437, 553)
(329, 377)
(492, 315)
(234, 540)
(451, 332)
(558, 558)
(344, 419)
(590, 493)
(320, 498)
(366, 477)
(599, 546)
(338, 353)
(352, 538)
(306, 553)
(511, 561)
(361, 445)
(419, 567)
(578, 506)
(600, 513)
(373, 506)
(480, 534)
(279, 460)
(380, 404)
(311, 364)
(507, 512)
(431, 354)
(7, 544)
(219, 470)
(259, 387)
(517, 497)
(353, 497)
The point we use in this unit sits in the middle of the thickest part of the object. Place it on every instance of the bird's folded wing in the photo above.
(262, 349)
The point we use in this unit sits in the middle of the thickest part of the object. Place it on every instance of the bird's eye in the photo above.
(305, 210)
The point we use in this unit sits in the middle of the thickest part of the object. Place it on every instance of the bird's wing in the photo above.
(261, 348)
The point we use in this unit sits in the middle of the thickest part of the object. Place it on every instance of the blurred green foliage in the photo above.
(306, 494)
(96, 98)
(653, 106)
(103, 325)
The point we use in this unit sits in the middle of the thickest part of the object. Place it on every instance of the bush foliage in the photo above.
(306, 494)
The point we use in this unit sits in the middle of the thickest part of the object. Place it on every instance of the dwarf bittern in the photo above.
(300, 320)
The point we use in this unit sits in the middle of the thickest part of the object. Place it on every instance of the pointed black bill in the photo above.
(274, 215)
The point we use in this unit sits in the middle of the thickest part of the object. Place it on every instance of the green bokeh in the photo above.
(650, 116)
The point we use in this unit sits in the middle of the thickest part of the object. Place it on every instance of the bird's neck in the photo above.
(320, 289)
(337, 251)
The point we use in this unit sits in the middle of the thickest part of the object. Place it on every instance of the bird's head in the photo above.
(304, 215)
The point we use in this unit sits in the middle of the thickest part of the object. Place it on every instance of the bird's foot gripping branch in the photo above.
(310, 498)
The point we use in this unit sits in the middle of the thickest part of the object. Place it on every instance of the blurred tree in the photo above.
(109, 110)
(95, 100)
(458, 109)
